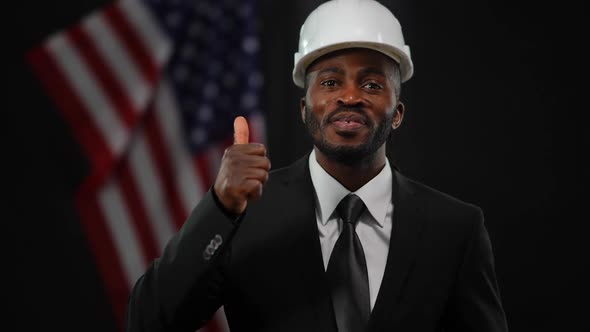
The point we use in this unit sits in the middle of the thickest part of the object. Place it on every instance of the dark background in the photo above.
(492, 118)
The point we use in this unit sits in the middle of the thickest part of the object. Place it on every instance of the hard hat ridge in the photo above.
(341, 24)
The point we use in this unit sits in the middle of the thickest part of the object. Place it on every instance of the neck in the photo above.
(353, 176)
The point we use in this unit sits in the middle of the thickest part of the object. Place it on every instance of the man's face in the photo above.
(350, 105)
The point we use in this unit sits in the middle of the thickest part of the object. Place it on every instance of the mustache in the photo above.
(354, 109)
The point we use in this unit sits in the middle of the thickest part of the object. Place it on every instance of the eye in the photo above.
(373, 86)
(329, 83)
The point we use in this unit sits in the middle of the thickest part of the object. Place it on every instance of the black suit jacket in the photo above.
(266, 268)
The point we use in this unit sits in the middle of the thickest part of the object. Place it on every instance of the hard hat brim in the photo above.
(400, 56)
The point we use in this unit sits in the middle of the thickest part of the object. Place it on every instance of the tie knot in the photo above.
(350, 208)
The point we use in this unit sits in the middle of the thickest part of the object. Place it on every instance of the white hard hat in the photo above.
(341, 24)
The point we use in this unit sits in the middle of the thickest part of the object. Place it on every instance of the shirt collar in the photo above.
(376, 194)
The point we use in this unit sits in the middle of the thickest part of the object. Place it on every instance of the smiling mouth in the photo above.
(348, 121)
(348, 125)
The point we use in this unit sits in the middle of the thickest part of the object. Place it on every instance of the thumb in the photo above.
(241, 131)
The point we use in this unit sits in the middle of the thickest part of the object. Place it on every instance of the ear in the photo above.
(302, 109)
(399, 115)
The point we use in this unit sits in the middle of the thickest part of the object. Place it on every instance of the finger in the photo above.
(247, 161)
(254, 189)
(256, 174)
(249, 149)
(241, 131)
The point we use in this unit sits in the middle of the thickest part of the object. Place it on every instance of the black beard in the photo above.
(348, 155)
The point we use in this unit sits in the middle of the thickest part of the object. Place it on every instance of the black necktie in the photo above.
(347, 271)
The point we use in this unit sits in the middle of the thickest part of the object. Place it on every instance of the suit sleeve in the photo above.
(183, 288)
(476, 304)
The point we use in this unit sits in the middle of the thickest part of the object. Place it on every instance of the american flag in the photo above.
(150, 90)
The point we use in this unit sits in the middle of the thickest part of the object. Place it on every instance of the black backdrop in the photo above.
(490, 118)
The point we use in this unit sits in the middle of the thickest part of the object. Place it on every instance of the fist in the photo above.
(243, 171)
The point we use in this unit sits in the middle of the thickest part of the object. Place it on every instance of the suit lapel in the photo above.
(405, 236)
(307, 256)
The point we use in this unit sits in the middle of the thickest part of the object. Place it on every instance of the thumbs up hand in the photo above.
(243, 171)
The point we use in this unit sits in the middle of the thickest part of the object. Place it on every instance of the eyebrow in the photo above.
(363, 72)
(335, 70)
(372, 70)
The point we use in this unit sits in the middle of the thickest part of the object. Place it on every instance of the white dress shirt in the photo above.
(373, 228)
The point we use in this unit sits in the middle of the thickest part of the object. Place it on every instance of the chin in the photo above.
(349, 154)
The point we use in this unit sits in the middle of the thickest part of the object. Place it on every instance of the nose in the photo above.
(351, 95)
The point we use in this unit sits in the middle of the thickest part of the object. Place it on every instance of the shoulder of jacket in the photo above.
(441, 203)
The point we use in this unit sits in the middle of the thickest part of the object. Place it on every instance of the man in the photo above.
(280, 251)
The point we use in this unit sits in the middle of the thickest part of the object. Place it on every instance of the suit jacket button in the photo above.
(218, 240)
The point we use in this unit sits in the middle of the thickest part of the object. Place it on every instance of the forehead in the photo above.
(353, 58)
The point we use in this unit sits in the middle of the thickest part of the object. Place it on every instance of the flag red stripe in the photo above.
(201, 162)
(134, 44)
(107, 258)
(73, 110)
(138, 213)
(164, 168)
(104, 75)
